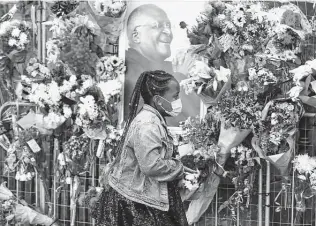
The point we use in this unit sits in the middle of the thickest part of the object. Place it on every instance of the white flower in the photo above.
(301, 72)
(304, 164)
(22, 177)
(5, 27)
(274, 122)
(110, 89)
(12, 42)
(23, 38)
(29, 176)
(200, 69)
(61, 159)
(68, 180)
(67, 111)
(252, 73)
(16, 32)
(295, 92)
(239, 19)
(52, 120)
(222, 74)
(189, 85)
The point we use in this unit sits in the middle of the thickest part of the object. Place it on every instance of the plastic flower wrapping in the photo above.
(73, 43)
(279, 122)
(305, 180)
(17, 211)
(110, 8)
(110, 15)
(23, 154)
(75, 158)
(304, 83)
(243, 178)
(205, 78)
(15, 35)
(262, 45)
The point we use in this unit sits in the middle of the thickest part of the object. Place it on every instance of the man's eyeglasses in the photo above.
(157, 25)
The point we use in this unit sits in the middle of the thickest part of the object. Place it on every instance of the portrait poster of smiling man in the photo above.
(151, 38)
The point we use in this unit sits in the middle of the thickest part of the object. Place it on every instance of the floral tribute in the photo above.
(112, 8)
(16, 211)
(242, 178)
(202, 137)
(259, 49)
(75, 158)
(305, 184)
(15, 34)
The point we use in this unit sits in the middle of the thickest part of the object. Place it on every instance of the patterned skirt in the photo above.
(113, 209)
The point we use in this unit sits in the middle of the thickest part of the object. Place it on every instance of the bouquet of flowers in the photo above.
(109, 15)
(7, 211)
(275, 138)
(239, 107)
(15, 35)
(16, 211)
(304, 80)
(74, 43)
(242, 178)
(48, 96)
(202, 77)
(112, 8)
(75, 158)
(305, 172)
(291, 29)
(89, 198)
(37, 71)
(110, 68)
(22, 155)
(97, 109)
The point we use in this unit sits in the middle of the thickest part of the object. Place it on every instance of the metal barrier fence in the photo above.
(262, 205)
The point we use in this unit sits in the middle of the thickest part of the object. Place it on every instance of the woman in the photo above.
(144, 176)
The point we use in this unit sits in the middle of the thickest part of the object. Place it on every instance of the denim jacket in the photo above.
(146, 164)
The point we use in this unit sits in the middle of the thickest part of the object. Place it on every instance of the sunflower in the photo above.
(115, 61)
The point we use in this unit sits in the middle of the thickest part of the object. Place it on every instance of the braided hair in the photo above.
(149, 84)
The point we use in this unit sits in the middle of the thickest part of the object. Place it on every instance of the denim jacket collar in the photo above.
(153, 110)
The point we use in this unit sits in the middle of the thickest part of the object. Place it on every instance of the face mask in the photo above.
(176, 107)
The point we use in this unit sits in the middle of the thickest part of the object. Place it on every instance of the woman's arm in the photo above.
(147, 148)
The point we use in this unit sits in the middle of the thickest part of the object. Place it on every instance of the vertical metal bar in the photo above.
(216, 207)
(260, 198)
(55, 154)
(267, 208)
(93, 170)
(238, 215)
(43, 28)
(292, 201)
(39, 31)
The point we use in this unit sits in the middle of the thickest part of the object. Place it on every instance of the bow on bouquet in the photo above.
(16, 211)
(305, 84)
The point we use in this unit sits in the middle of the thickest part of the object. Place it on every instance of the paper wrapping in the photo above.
(26, 215)
(111, 26)
(228, 138)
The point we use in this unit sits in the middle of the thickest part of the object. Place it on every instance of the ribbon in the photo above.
(284, 190)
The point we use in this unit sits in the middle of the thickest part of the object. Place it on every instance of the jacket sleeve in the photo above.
(147, 148)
